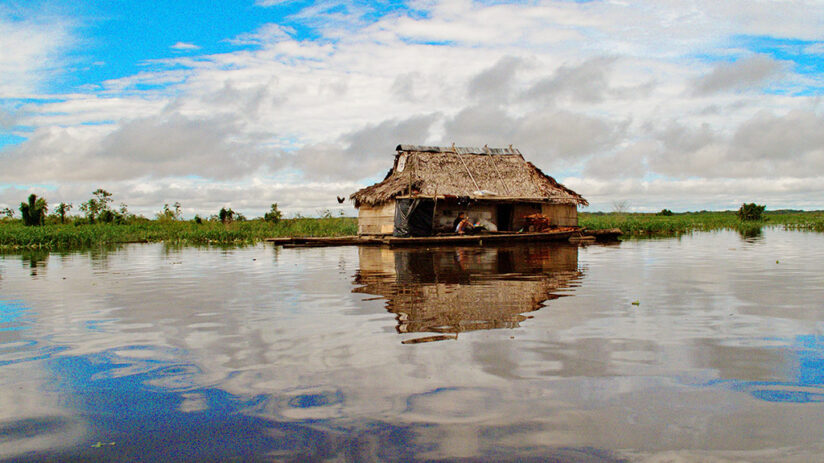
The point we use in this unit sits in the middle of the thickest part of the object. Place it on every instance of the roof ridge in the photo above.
(458, 149)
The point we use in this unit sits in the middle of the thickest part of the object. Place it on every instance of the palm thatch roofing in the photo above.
(479, 173)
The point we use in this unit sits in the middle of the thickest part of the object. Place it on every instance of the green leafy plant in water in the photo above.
(749, 229)
(99, 444)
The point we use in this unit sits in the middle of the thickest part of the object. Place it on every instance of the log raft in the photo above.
(469, 240)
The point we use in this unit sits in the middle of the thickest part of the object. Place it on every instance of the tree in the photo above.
(274, 215)
(107, 216)
(90, 208)
(103, 198)
(34, 212)
(226, 215)
(620, 207)
(168, 214)
(98, 206)
(61, 210)
(8, 212)
(750, 211)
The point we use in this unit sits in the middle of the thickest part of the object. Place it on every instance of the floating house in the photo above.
(428, 186)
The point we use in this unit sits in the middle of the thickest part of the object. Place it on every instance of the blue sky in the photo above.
(125, 35)
(659, 104)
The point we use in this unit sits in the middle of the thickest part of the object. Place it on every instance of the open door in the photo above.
(413, 217)
(505, 213)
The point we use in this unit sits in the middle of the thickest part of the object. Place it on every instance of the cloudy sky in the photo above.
(687, 105)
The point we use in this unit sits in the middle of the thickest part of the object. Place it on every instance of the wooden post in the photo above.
(435, 209)
(409, 168)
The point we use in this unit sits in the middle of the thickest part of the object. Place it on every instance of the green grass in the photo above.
(641, 225)
(13, 235)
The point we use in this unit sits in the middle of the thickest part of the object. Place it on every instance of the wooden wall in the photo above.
(562, 215)
(378, 220)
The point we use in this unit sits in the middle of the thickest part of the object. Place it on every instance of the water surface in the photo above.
(703, 348)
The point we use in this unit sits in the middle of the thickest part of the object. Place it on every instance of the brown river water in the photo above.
(708, 347)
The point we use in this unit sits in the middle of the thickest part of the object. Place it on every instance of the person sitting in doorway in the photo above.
(461, 217)
(468, 227)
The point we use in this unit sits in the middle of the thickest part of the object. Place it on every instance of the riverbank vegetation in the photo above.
(15, 235)
(667, 223)
(101, 224)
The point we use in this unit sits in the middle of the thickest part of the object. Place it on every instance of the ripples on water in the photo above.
(708, 347)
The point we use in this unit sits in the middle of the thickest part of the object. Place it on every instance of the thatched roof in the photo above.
(479, 173)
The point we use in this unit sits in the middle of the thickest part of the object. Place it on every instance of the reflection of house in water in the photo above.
(450, 290)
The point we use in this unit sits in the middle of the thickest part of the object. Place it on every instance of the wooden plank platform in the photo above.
(481, 238)
(470, 240)
(605, 234)
(312, 241)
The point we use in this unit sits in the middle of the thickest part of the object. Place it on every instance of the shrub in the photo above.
(274, 215)
(666, 212)
(751, 211)
(106, 216)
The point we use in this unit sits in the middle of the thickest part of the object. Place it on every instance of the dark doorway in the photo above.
(505, 213)
(413, 217)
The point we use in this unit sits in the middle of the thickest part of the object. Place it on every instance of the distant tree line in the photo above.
(98, 209)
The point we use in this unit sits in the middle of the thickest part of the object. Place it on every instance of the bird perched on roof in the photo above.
(340, 200)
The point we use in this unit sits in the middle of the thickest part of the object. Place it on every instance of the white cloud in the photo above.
(700, 193)
(814, 49)
(163, 146)
(587, 82)
(32, 53)
(267, 34)
(363, 152)
(184, 46)
(550, 137)
(495, 83)
(742, 74)
(267, 3)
